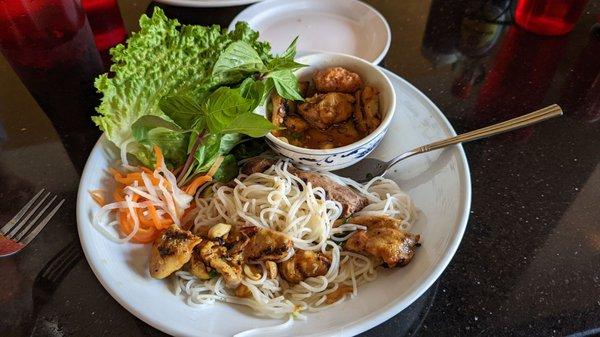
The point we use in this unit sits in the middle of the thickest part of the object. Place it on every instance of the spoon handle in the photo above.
(512, 124)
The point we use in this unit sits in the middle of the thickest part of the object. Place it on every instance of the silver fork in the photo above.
(368, 168)
(50, 277)
(20, 230)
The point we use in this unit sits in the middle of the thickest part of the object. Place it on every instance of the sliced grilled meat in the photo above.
(171, 251)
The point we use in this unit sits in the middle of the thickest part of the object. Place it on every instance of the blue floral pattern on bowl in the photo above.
(330, 161)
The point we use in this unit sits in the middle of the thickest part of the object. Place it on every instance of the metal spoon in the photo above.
(370, 167)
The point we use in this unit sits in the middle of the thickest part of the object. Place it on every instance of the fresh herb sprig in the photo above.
(191, 90)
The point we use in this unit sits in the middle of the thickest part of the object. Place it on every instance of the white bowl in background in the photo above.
(341, 157)
(337, 26)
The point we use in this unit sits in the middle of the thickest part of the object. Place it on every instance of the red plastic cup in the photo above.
(549, 17)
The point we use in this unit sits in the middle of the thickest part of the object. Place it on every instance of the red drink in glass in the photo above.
(51, 47)
(549, 17)
(106, 22)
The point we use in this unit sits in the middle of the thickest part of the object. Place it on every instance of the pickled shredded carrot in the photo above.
(151, 222)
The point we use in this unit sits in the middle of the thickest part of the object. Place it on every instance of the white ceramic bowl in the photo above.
(341, 157)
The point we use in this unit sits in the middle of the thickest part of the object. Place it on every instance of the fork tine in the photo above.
(50, 265)
(11, 232)
(22, 211)
(70, 258)
(38, 228)
(21, 233)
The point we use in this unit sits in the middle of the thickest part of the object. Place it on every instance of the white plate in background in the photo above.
(340, 26)
(207, 3)
(438, 182)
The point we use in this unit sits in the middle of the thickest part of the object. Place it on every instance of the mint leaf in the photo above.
(250, 124)
(207, 153)
(286, 84)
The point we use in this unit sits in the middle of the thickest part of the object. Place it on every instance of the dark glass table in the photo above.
(529, 263)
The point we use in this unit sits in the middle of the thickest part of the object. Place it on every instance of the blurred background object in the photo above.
(50, 45)
(107, 25)
(43, 41)
(521, 72)
(549, 17)
(581, 91)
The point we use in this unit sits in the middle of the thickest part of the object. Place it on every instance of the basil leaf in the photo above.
(182, 109)
(290, 52)
(286, 84)
(228, 169)
(228, 142)
(256, 91)
(212, 147)
(237, 59)
(250, 124)
(284, 64)
(207, 152)
(223, 106)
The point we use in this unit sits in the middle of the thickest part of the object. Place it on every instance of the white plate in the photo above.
(340, 26)
(207, 3)
(438, 182)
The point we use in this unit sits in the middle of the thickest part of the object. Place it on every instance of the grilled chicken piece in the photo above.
(324, 110)
(337, 79)
(383, 240)
(266, 245)
(229, 266)
(295, 124)
(351, 201)
(257, 165)
(197, 266)
(171, 251)
(375, 221)
(359, 114)
(370, 102)
(304, 264)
